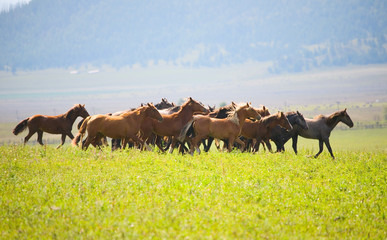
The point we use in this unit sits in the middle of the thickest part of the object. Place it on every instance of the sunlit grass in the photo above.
(68, 193)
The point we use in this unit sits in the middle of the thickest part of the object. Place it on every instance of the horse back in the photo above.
(49, 124)
(252, 129)
(215, 127)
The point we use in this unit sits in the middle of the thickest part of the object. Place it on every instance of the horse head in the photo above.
(81, 111)
(195, 106)
(152, 112)
(164, 104)
(344, 117)
(248, 111)
(283, 121)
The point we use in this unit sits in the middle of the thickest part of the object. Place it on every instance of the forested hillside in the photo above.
(293, 35)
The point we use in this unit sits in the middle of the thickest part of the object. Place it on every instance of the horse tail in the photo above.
(184, 130)
(20, 127)
(82, 130)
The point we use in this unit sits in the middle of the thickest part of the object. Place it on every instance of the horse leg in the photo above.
(294, 143)
(124, 142)
(256, 146)
(40, 137)
(194, 143)
(329, 147)
(240, 143)
(173, 144)
(141, 142)
(268, 144)
(86, 143)
(63, 138)
(29, 135)
(158, 144)
(321, 146)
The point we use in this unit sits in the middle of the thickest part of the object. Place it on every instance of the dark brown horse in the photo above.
(229, 128)
(321, 127)
(260, 130)
(60, 124)
(280, 135)
(125, 126)
(164, 104)
(172, 123)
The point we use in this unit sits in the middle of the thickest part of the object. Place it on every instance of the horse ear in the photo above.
(190, 98)
(247, 104)
(149, 105)
(298, 113)
(345, 110)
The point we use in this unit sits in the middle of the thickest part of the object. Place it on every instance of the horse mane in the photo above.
(332, 119)
(70, 113)
(291, 113)
(134, 111)
(185, 104)
(268, 119)
(233, 114)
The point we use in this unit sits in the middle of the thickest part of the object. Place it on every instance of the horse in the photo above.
(60, 124)
(224, 112)
(280, 136)
(228, 128)
(125, 126)
(320, 127)
(172, 123)
(164, 104)
(260, 130)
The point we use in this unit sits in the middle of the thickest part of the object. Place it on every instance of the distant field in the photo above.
(72, 194)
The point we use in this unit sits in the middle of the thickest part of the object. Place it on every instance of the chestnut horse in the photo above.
(124, 126)
(228, 128)
(60, 124)
(222, 113)
(172, 123)
(260, 130)
(321, 127)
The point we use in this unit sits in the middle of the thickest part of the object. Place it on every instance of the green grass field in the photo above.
(73, 194)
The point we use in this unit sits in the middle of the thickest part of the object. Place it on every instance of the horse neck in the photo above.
(185, 113)
(333, 120)
(270, 121)
(71, 115)
(138, 115)
(241, 116)
(292, 118)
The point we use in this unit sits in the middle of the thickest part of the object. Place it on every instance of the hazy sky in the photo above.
(5, 4)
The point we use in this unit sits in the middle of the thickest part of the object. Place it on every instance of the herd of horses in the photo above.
(187, 127)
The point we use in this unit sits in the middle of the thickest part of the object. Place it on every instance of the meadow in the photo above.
(73, 194)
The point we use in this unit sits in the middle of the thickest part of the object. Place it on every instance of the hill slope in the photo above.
(294, 36)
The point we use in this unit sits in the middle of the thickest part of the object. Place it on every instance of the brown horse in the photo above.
(228, 128)
(60, 124)
(263, 112)
(172, 123)
(321, 127)
(124, 126)
(260, 130)
(223, 112)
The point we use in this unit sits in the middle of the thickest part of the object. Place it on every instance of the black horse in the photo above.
(280, 136)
